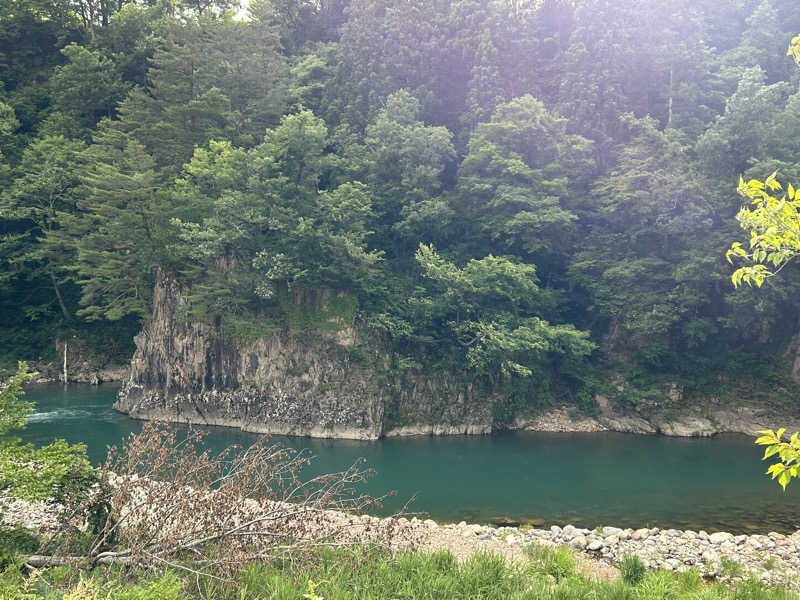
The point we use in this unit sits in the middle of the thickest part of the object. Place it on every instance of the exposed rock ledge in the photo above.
(287, 382)
(721, 418)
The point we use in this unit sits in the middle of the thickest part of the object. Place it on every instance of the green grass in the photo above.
(371, 574)
(558, 562)
(730, 568)
(632, 569)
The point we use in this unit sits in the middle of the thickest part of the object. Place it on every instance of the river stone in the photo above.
(709, 556)
(555, 530)
(720, 537)
(611, 531)
(595, 545)
(569, 532)
(640, 534)
(579, 542)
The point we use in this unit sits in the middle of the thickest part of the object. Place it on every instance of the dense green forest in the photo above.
(534, 192)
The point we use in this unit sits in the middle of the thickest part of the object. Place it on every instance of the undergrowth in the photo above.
(371, 574)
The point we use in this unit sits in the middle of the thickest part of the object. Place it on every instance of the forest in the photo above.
(537, 193)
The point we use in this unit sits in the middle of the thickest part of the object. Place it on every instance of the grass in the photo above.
(632, 569)
(730, 568)
(373, 574)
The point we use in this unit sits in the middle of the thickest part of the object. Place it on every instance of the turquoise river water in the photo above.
(539, 478)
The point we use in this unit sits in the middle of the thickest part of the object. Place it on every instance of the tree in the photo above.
(88, 87)
(726, 147)
(57, 471)
(403, 160)
(514, 180)
(42, 198)
(489, 307)
(8, 125)
(643, 221)
(259, 224)
(121, 234)
(774, 227)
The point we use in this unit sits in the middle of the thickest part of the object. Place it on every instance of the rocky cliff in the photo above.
(315, 382)
(288, 382)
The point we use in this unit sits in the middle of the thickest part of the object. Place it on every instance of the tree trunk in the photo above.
(63, 306)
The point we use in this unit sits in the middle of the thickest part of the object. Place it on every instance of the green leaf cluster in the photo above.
(57, 471)
(788, 452)
(774, 226)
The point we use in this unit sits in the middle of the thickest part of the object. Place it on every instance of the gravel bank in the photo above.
(773, 558)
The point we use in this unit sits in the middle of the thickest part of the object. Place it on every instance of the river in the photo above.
(531, 477)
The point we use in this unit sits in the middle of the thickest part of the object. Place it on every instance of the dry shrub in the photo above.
(170, 503)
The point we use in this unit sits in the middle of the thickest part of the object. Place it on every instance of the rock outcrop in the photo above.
(317, 382)
(288, 382)
(690, 422)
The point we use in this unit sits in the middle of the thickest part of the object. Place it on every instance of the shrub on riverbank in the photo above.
(368, 573)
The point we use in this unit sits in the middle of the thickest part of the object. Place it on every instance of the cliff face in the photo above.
(308, 383)
(289, 382)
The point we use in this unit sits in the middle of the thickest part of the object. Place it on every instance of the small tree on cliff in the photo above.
(58, 470)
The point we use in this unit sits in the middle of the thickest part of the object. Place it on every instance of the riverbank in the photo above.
(712, 418)
(773, 558)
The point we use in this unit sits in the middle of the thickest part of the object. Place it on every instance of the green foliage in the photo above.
(57, 471)
(729, 567)
(41, 200)
(774, 230)
(566, 159)
(558, 562)
(632, 569)
(515, 177)
(365, 573)
(121, 231)
(794, 49)
(488, 308)
(88, 87)
(787, 451)
(14, 542)
(14, 412)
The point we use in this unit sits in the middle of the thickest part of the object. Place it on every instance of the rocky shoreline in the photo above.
(721, 418)
(772, 558)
